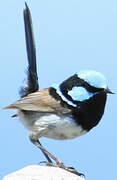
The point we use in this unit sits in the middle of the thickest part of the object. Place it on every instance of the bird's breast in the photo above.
(51, 125)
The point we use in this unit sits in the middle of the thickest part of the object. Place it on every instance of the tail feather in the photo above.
(32, 77)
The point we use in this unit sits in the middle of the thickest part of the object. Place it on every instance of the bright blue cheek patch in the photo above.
(80, 94)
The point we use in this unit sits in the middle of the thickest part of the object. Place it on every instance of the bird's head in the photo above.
(94, 79)
(82, 86)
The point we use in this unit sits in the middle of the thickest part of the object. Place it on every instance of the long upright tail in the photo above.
(32, 77)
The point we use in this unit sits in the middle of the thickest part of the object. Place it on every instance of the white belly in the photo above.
(51, 125)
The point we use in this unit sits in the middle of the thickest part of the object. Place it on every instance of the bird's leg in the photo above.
(47, 154)
(38, 144)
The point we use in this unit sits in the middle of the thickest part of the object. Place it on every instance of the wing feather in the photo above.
(40, 101)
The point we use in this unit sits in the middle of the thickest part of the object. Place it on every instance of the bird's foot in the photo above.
(43, 162)
(73, 170)
(60, 165)
(70, 169)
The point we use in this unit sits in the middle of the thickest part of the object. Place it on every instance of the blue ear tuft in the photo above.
(80, 94)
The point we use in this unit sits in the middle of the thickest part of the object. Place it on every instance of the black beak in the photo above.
(109, 91)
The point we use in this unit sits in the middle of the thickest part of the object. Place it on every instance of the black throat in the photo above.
(90, 111)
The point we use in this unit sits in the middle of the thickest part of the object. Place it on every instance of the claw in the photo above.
(43, 162)
(73, 170)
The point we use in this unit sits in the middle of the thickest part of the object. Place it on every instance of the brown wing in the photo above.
(40, 101)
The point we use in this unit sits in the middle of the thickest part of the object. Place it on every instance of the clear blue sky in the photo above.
(70, 35)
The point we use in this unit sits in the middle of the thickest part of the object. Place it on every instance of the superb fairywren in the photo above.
(62, 111)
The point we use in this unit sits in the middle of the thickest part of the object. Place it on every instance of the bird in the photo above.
(65, 110)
